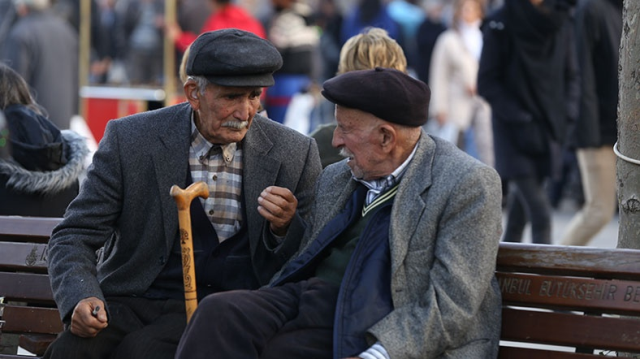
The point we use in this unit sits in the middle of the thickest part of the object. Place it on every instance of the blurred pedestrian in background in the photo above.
(43, 49)
(41, 165)
(426, 36)
(290, 28)
(143, 23)
(528, 75)
(370, 13)
(224, 14)
(453, 77)
(598, 32)
(409, 14)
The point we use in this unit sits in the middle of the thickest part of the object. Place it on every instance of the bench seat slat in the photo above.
(507, 352)
(563, 260)
(622, 334)
(28, 287)
(25, 319)
(36, 343)
(570, 293)
(24, 257)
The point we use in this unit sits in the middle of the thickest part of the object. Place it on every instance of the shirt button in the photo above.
(211, 212)
(214, 177)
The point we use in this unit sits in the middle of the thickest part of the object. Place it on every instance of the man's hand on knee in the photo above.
(89, 318)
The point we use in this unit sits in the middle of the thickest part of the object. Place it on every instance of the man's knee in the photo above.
(224, 303)
(70, 346)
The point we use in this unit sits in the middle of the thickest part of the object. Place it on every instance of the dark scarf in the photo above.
(540, 57)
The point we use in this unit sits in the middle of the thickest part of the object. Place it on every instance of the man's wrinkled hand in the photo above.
(278, 206)
(83, 321)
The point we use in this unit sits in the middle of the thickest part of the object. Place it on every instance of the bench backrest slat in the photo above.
(577, 261)
(26, 257)
(25, 287)
(32, 229)
(562, 292)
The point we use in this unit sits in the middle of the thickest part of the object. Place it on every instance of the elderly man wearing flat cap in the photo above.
(399, 257)
(117, 251)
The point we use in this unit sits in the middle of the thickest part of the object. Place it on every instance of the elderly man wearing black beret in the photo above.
(398, 260)
(128, 301)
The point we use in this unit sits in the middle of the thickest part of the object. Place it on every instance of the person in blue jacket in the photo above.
(399, 254)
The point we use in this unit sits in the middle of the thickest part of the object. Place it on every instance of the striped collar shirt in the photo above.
(220, 167)
(380, 185)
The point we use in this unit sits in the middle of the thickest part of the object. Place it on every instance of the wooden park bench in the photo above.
(28, 314)
(573, 302)
(558, 302)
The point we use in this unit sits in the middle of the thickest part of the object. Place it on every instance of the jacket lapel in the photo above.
(171, 165)
(409, 203)
(259, 172)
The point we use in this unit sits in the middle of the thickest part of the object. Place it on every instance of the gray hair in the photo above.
(201, 82)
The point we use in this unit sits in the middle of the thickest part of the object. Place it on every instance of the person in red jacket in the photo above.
(224, 15)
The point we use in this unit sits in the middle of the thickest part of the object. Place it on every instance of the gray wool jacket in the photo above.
(124, 205)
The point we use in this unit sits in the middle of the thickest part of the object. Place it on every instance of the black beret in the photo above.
(232, 57)
(388, 94)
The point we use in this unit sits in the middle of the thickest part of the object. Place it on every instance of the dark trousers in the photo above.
(138, 328)
(528, 201)
(291, 321)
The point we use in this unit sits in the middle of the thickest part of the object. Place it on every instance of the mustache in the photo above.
(344, 152)
(238, 125)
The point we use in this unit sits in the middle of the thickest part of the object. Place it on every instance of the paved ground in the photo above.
(607, 238)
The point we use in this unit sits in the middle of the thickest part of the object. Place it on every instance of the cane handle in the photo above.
(183, 198)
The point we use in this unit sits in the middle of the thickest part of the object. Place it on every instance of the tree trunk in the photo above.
(628, 172)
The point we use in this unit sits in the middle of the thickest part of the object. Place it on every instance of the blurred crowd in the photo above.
(515, 83)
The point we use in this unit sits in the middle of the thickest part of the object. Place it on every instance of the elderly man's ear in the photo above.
(388, 137)
(192, 94)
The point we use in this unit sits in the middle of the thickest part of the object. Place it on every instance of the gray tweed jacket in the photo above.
(124, 204)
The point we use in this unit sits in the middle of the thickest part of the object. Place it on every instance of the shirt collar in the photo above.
(380, 184)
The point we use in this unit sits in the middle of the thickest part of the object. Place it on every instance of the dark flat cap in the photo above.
(386, 93)
(233, 57)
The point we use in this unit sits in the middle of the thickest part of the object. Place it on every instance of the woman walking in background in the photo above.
(453, 76)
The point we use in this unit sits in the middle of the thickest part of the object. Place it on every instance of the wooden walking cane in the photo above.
(183, 198)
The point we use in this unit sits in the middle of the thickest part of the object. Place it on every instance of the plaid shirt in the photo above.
(220, 167)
